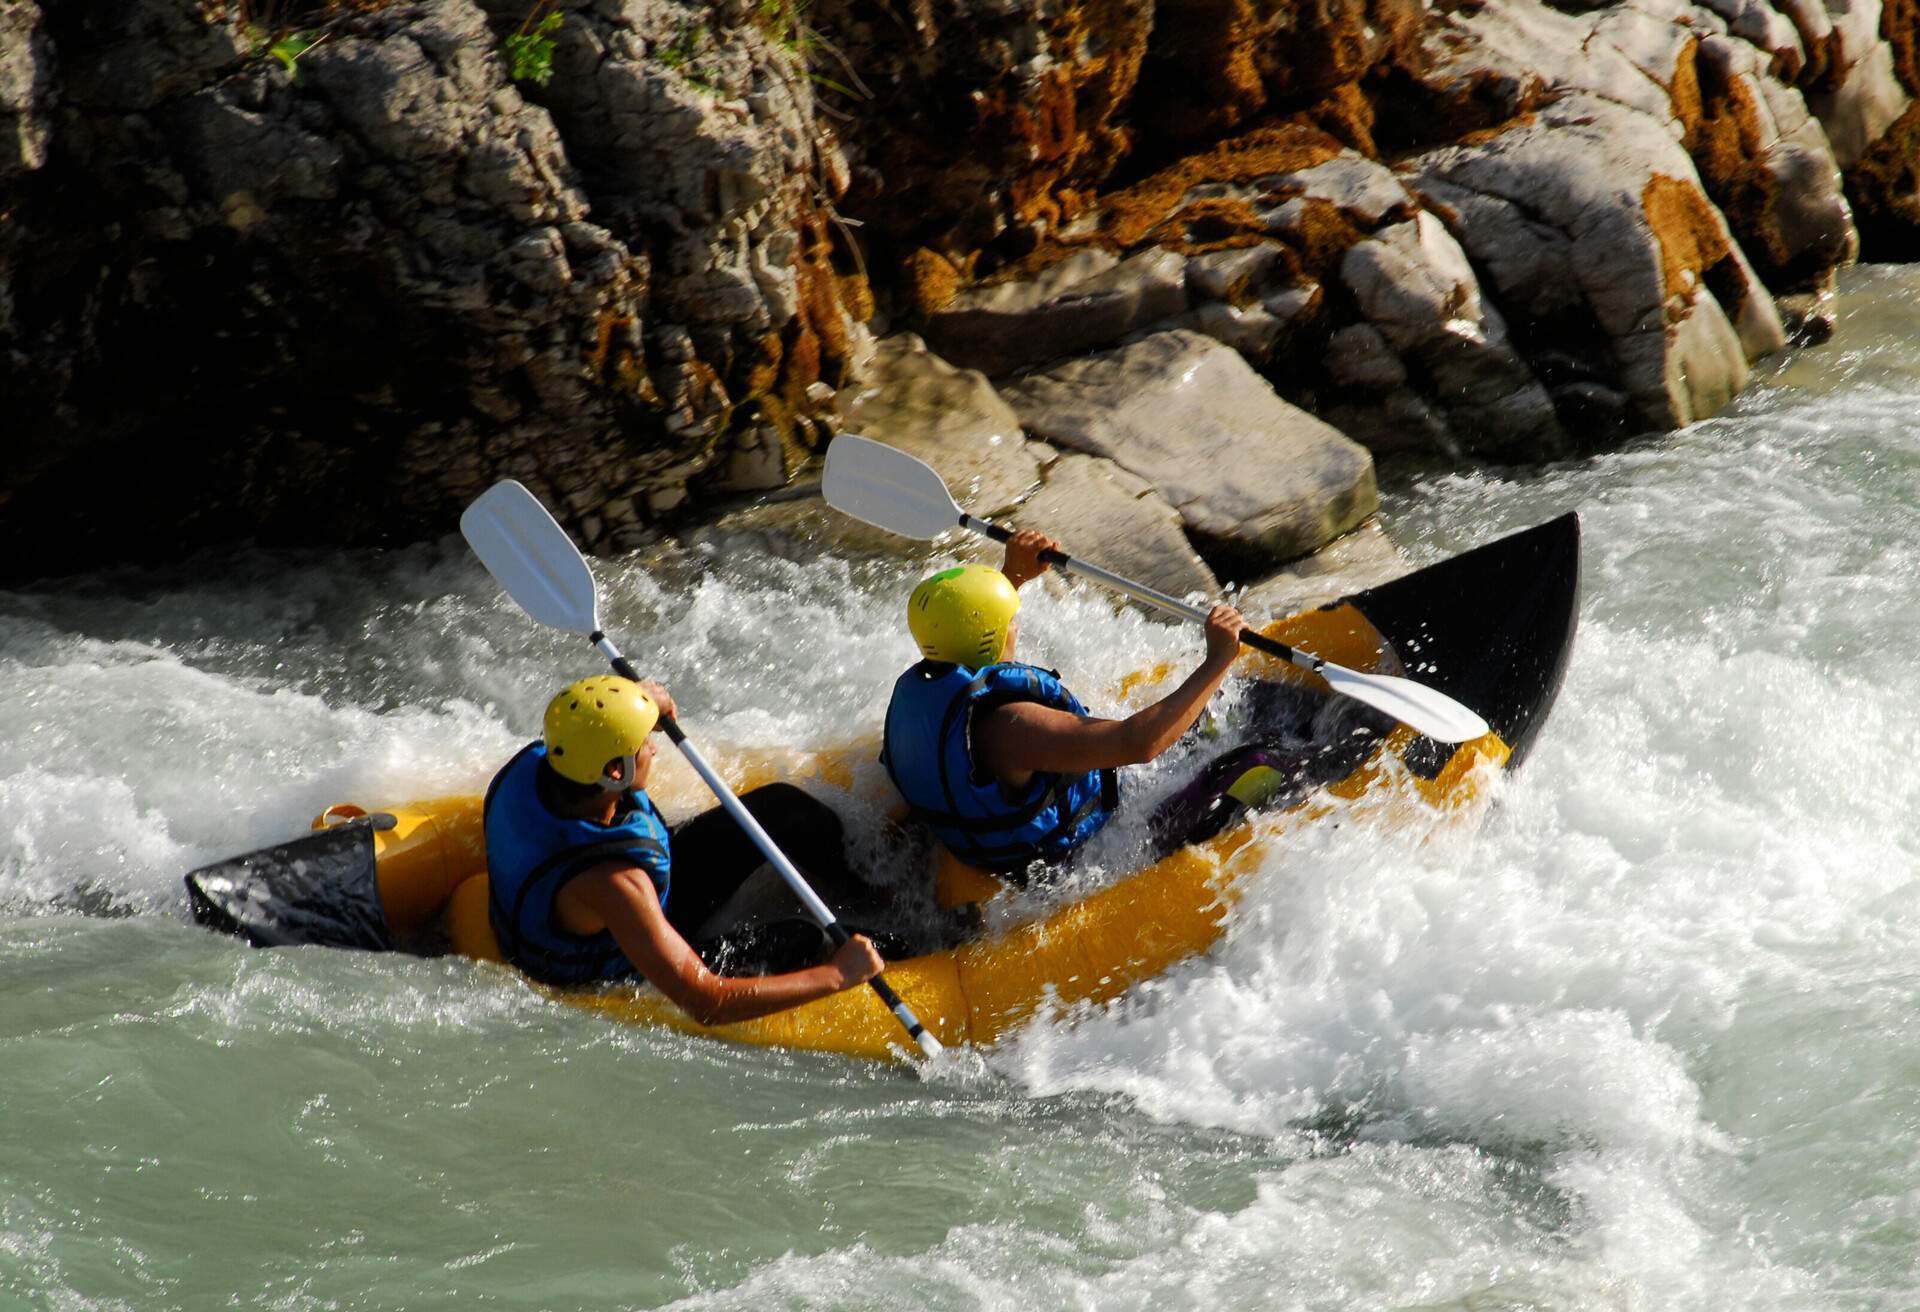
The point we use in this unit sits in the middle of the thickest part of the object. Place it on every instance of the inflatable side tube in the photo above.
(322, 888)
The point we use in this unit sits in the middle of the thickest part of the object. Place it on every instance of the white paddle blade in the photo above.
(1432, 713)
(887, 488)
(532, 557)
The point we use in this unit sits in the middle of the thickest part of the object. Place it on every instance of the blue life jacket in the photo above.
(531, 852)
(928, 752)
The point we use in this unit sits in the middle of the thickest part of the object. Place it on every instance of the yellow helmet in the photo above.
(594, 722)
(962, 615)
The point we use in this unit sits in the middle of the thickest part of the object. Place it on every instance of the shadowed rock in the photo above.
(385, 270)
(1090, 300)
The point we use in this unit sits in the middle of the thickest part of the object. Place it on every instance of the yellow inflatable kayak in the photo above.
(1491, 628)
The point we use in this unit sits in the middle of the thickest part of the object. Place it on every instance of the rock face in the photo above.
(1591, 226)
(324, 279)
(1400, 212)
(336, 300)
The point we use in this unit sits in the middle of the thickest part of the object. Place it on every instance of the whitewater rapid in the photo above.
(1641, 1039)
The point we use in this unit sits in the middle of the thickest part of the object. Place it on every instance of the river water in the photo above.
(1641, 1040)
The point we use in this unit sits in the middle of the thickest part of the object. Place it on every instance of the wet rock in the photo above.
(1117, 520)
(1809, 317)
(1253, 478)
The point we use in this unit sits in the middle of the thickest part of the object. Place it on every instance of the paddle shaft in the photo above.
(1151, 596)
(890, 489)
(821, 913)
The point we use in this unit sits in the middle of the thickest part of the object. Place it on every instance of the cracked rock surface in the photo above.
(333, 303)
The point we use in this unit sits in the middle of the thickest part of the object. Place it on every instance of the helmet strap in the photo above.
(629, 764)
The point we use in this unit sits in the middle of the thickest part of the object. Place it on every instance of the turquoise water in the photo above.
(1641, 1040)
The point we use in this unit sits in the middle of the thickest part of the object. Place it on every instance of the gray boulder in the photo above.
(1252, 477)
(1118, 520)
(1861, 95)
(1421, 300)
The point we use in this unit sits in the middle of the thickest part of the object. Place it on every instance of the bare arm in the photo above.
(620, 898)
(1019, 739)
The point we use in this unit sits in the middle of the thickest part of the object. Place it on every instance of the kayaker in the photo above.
(997, 757)
(588, 884)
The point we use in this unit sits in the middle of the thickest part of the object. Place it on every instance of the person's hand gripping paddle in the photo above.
(886, 487)
(534, 560)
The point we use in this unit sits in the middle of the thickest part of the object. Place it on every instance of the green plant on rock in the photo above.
(679, 52)
(279, 28)
(530, 50)
(785, 23)
(288, 49)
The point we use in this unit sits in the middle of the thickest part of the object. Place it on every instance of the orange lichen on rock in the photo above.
(1346, 115)
(1324, 234)
(1216, 66)
(856, 294)
(1692, 243)
(1723, 130)
(1211, 224)
(1684, 92)
(1059, 133)
(1481, 136)
(1209, 45)
(619, 366)
(1900, 25)
(818, 343)
(603, 329)
(1883, 186)
(1130, 215)
(931, 281)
